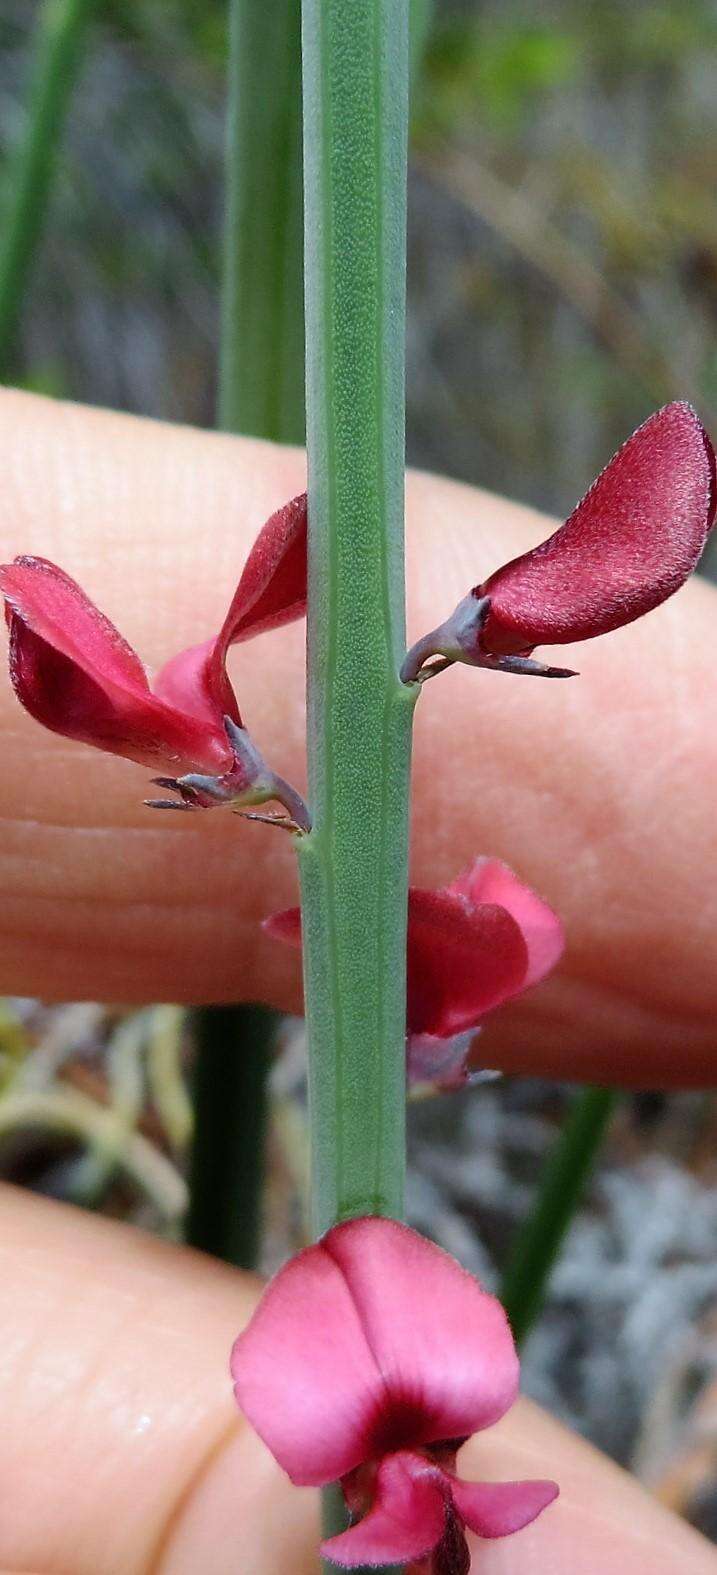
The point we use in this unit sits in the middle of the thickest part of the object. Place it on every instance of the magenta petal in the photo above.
(496, 1509)
(628, 545)
(461, 963)
(304, 1373)
(406, 1520)
(272, 589)
(442, 1344)
(491, 881)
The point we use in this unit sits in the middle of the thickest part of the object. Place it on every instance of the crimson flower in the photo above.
(371, 1358)
(628, 545)
(472, 946)
(73, 671)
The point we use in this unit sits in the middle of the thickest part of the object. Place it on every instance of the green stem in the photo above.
(560, 1188)
(261, 392)
(354, 865)
(261, 379)
(233, 1055)
(60, 36)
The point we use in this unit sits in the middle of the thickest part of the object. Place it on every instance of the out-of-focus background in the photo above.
(562, 284)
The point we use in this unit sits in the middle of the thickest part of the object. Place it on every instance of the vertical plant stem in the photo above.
(60, 35)
(354, 865)
(560, 1188)
(261, 377)
(261, 392)
(233, 1051)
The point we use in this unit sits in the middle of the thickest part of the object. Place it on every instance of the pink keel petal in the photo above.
(491, 881)
(442, 1344)
(406, 1520)
(496, 1509)
(461, 964)
(196, 682)
(628, 545)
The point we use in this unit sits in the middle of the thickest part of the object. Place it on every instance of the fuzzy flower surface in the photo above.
(472, 946)
(370, 1359)
(629, 544)
(73, 671)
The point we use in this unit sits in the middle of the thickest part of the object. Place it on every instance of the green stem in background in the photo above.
(420, 20)
(354, 865)
(560, 1187)
(261, 378)
(60, 35)
(233, 1055)
(261, 392)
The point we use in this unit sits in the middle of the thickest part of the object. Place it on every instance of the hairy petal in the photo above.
(406, 1520)
(372, 1341)
(442, 1344)
(304, 1374)
(496, 1509)
(491, 881)
(628, 545)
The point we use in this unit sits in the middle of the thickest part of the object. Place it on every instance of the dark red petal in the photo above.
(75, 674)
(284, 926)
(489, 880)
(58, 693)
(272, 589)
(462, 960)
(630, 543)
(56, 608)
(461, 964)
(406, 1520)
(497, 1509)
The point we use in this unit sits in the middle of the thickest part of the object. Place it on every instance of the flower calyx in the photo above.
(249, 781)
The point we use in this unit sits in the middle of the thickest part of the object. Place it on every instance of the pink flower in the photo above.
(629, 544)
(74, 672)
(371, 1357)
(472, 946)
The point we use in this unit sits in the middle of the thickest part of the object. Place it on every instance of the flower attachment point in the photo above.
(371, 1358)
(629, 544)
(472, 945)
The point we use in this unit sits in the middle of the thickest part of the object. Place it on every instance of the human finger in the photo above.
(598, 792)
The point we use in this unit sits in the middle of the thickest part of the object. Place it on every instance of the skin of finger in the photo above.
(122, 1453)
(597, 790)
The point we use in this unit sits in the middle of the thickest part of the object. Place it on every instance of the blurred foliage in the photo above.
(563, 227)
